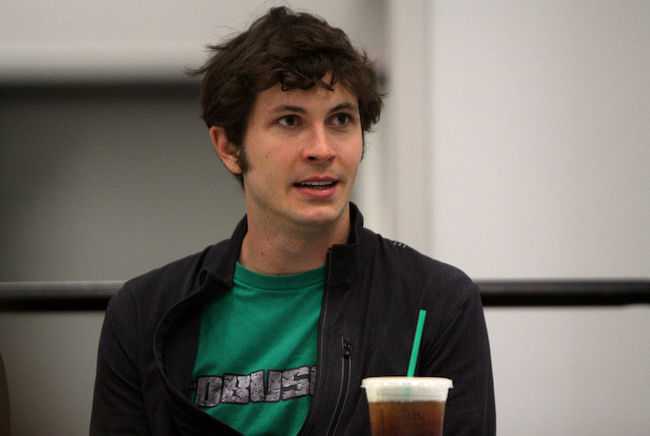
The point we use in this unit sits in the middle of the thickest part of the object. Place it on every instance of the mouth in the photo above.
(318, 188)
(319, 185)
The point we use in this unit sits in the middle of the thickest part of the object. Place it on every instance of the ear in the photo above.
(227, 151)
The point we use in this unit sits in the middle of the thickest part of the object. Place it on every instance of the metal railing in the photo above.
(94, 295)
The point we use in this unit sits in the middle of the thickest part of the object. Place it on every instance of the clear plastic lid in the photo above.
(400, 389)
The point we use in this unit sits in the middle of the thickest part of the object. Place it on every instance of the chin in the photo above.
(322, 215)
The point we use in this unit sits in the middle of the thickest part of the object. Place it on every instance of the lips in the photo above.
(318, 183)
(318, 188)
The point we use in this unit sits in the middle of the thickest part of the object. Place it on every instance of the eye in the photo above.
(289, 121)
(341, 119)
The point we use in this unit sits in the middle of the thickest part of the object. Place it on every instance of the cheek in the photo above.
(355, 153)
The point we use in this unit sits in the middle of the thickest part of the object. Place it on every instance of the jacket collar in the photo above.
(343, 259)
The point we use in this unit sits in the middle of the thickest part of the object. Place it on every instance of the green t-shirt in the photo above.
(255, 366)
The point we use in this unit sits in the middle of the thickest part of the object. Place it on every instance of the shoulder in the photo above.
(152, 293)
(437, 282)
(166, 278)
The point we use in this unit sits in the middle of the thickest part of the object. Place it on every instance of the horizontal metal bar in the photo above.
(554, 293)
(563, 287)
(94, 295)
(58, 290)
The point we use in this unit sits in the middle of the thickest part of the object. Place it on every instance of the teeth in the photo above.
(317, 183)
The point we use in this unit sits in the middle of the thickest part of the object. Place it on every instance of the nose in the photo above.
(319, 147)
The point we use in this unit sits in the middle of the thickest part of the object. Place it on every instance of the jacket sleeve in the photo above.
(460, 350)
(118, 406)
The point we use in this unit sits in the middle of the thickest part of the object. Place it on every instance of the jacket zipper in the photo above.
(344, 388)
(321, 344)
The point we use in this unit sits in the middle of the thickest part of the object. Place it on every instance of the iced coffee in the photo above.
(412, 406)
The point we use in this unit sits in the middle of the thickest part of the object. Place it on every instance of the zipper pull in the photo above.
(347, 348)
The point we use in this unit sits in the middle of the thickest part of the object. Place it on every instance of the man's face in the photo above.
(303, 149)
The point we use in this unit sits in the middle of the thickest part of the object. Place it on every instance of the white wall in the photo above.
(540, 151)
(571, 372)
(540, 136)
(80, 41)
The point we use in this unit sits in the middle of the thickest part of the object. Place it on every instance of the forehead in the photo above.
(314, 98)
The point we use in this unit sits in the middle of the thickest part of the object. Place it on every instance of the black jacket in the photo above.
(374, 290)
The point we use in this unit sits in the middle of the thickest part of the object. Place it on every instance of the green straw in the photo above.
(416, 343)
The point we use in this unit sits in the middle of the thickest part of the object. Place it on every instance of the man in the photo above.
(272, 330)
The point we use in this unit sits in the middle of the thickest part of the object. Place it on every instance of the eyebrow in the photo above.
(288, 108)
(344, 106)
(301, 110)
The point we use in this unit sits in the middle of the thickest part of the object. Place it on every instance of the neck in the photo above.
(270, 248)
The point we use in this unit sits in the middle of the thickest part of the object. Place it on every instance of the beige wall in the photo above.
(540, 137)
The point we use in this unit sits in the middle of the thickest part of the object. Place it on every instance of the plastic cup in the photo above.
(412, 406)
